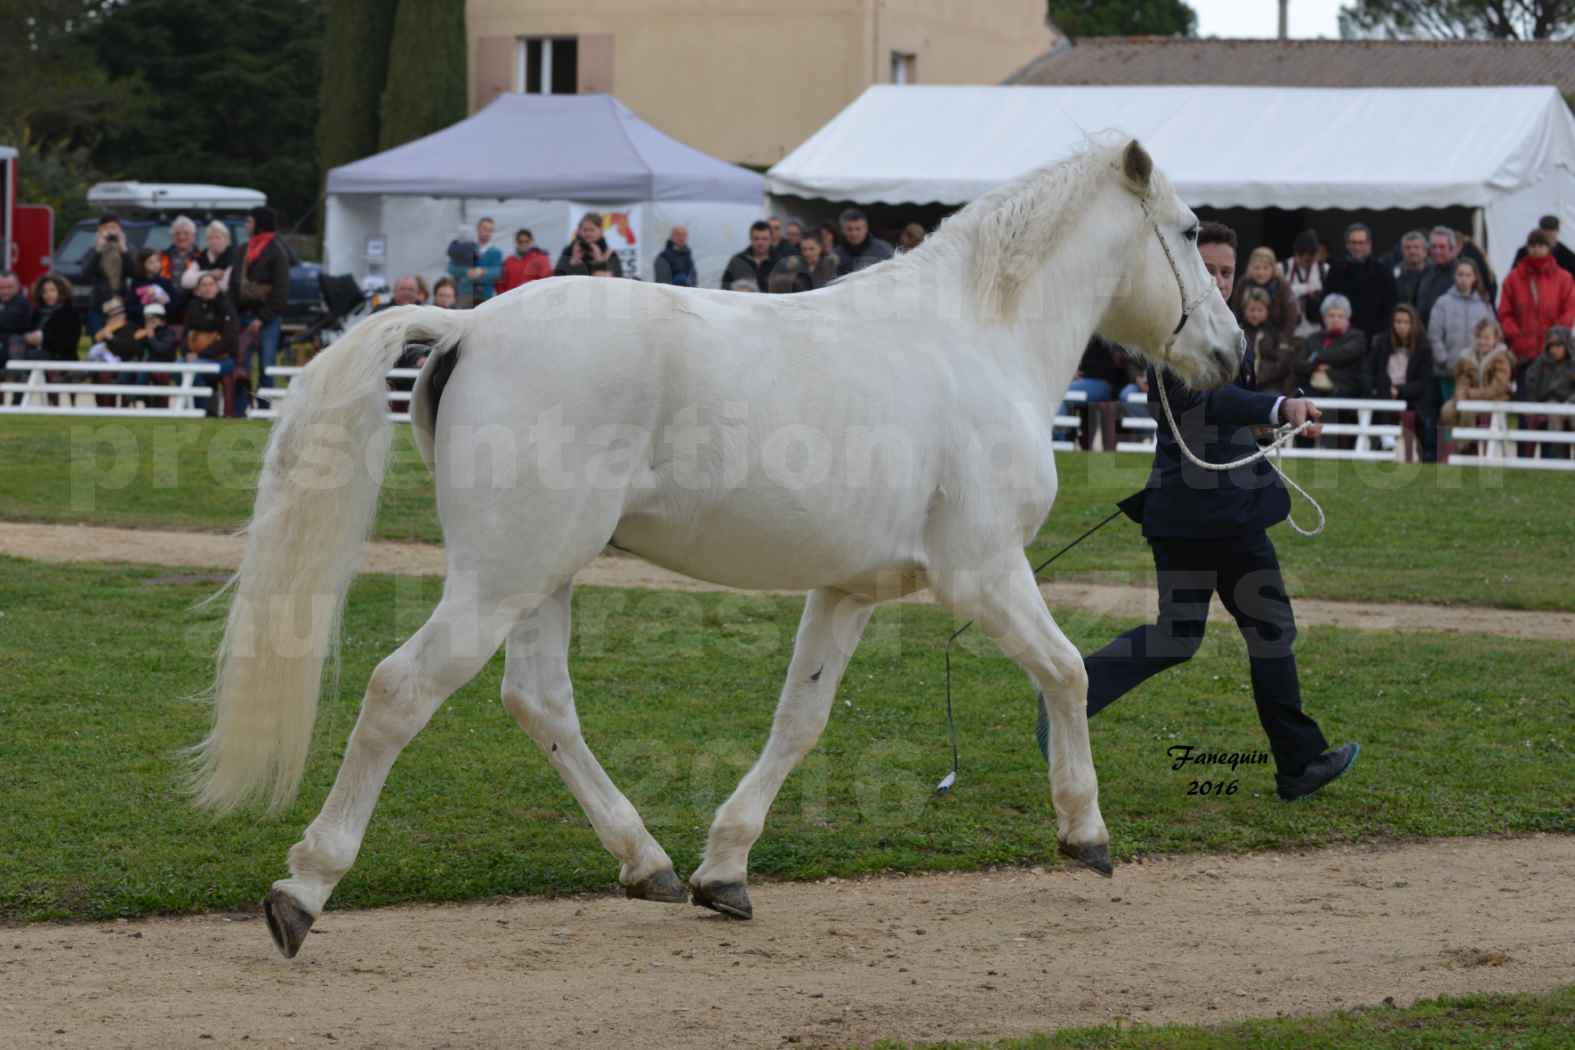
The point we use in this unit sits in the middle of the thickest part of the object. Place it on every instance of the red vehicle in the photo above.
(27, 231)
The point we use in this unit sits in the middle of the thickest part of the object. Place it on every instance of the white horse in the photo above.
(886, 433)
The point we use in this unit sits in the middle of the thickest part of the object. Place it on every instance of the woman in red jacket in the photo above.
(1537, 295)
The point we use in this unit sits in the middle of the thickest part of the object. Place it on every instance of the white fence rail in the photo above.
(1495, 443)
(33, 393)
(273, 392)
(1364, 429)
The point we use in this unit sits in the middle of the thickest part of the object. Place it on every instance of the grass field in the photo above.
(1476, 1022)
(1396, 533)
(1461, 736)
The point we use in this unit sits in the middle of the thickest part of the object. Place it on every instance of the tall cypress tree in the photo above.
(426, 71)
(355, 70)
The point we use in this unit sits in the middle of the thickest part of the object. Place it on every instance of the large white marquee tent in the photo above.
(1508, 151)
(536, 161)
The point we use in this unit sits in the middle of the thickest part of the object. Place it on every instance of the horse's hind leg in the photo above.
(1009, 607)
(829, 631)
(537, 692)
(404, 692)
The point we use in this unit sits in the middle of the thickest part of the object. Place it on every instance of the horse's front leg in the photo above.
(1008, 606)
(828, 633)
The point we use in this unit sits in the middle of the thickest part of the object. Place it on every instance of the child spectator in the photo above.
(1263, 275)
(911, 237)
(676, 263)
(1274, 355)
(1551, 377)
(1485, 374)
(1400, 368)
(148, 286)
(1305, 272)
(1537, 295)
(445, 294)
(528, 263)
(1452, 327)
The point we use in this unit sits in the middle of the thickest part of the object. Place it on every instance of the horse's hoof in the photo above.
(729, 898)
(1096, 856)
(287, 921)
(664, 887)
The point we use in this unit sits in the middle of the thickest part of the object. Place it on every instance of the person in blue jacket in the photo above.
(1208, 532)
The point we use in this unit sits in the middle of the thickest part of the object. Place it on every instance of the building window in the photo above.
(902, 67)
(547, 65)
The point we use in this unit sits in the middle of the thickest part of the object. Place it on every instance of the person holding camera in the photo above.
(108, 267)
(260, 289)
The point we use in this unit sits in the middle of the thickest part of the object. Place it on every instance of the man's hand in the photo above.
(34, 338)
(476, 273)
(1298, 410)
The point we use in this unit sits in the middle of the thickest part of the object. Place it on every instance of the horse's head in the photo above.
(1166, 284)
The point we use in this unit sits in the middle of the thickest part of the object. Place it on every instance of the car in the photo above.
(146, 211)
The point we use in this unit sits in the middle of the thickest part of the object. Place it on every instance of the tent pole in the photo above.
(1479, 229)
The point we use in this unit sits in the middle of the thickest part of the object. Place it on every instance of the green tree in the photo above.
(55, 96)
(223, 91)
(1080, 18)
(1460, 19)
(426, 71)
(354, 74)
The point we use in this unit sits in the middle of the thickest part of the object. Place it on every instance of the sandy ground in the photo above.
(219, 550)
(1202, 940)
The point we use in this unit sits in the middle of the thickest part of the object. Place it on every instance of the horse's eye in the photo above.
(1191, 234)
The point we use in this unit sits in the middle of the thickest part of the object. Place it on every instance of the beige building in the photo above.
(744, 80)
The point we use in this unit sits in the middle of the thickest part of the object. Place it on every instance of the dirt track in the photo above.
(220, 550)
(953, 956)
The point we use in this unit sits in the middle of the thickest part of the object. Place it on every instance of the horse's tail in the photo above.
(316, 500)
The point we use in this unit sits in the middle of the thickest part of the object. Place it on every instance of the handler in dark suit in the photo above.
(1208, 533)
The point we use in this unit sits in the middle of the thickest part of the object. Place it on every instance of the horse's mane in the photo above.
(1004, 237)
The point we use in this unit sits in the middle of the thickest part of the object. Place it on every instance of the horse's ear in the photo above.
(1137, 166)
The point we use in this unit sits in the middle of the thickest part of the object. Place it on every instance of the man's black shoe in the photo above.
(1326, 767)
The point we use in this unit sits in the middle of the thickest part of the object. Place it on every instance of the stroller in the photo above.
(344, 303)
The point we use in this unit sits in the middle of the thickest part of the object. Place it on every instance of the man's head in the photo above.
(1217, 245)
(10, 287)
(793, 232)
(679, 236)
(1413, 247)
(1358, 241)
(484, 230)
(183, 234)
(1538, 245)
(760, 239)
(1442, 246)
(407, 292)
(855, 227)
(775, 225)
(262, 219)
(1549, 224)
(1305, 248)
(524, 241)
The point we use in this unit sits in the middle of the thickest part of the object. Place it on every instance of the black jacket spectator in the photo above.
(1346, 356)
(1370, 285)
(212, 329)
(1408, 282)
(744, 267)
(1418, 383)
(567, 265)
(269, 266)
(1104, 360)
(60, 329)
(675, 265)
(1435, 281)
(856, 257)
(15, 317)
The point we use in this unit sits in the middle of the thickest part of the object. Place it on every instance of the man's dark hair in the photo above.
(1216, 233)
(1539, 237)
(852, 215)
(265, 219)
(107, 218)
(1355, 226)
(1549, 223)
(524, 233)
(760, 224)
(1306, 242)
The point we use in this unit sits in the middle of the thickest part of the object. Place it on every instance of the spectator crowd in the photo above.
(1427, 324)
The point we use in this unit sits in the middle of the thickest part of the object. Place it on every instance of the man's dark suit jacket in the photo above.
(1182, 501)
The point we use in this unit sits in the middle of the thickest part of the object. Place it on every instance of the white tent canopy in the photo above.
(535, 161)
(1509, 151)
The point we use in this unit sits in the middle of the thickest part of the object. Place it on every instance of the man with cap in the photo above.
(1208, 534)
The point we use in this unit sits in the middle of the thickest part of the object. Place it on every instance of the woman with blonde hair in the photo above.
(1263, 274)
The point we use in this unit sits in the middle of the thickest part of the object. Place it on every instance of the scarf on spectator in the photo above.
(255, 246)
